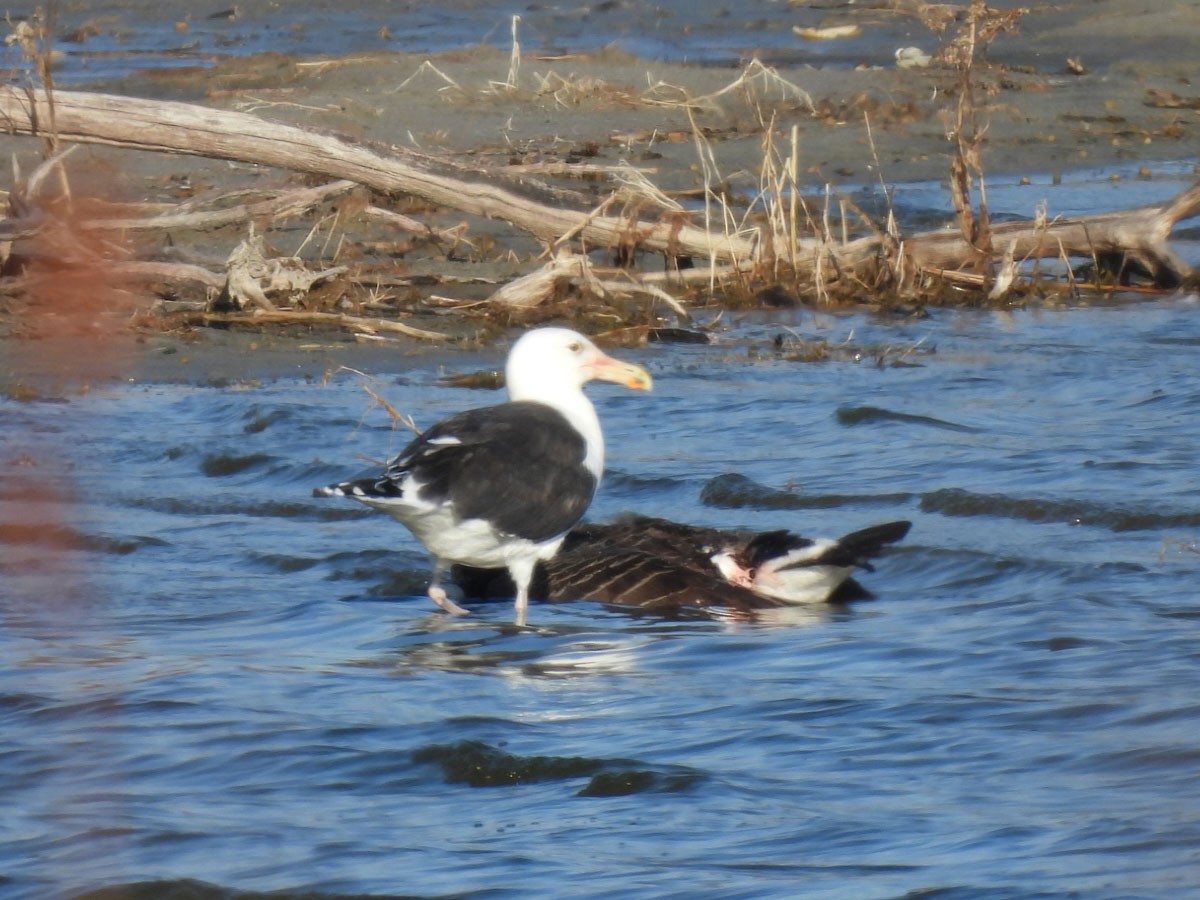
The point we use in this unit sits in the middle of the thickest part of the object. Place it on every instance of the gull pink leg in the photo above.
(438, 594)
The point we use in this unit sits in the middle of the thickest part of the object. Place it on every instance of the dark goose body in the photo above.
(662, 565)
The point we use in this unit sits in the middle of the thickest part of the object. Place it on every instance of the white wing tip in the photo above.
(335, 490)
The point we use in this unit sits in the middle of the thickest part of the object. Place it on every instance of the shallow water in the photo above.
(209, 675)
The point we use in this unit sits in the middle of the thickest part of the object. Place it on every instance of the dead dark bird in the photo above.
(665, 566)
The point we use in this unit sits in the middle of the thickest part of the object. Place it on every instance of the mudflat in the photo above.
(1077, 84)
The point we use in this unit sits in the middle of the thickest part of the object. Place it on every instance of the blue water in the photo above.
(209, 676)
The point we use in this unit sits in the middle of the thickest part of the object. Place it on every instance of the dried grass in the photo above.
(965, 53)
(428, 66)
(576, 90)
(370, 386)
(756, 83)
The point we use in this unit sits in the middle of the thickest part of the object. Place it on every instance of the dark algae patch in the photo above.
(959, 502)
(222, 465)
(478, 764)
(733, 490)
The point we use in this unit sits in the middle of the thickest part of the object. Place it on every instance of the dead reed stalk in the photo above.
(34, 38)
(966, 52)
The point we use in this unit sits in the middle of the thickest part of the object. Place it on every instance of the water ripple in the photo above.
(860, 415)
(244, 506)
(733, 490)
(64, 538)
(960, 502)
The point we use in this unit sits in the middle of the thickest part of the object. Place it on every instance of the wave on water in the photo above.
(221, 465)
(960, 502)
(242, 506)
(733, 490)
(861, 415)
(66, 538)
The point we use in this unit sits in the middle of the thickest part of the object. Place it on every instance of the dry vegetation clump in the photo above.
(384, 241)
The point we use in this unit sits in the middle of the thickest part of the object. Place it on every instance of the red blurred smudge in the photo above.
(74, 319)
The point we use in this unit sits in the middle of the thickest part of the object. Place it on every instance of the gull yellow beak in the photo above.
(605, 368)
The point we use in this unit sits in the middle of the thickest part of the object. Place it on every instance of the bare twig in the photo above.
(303, 317)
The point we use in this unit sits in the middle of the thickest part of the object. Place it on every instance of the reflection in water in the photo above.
(485, 643)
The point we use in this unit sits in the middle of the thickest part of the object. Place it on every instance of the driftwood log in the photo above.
(1121, 239)
(187, 128)
(1130, 238)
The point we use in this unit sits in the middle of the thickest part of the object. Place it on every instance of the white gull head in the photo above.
(551, 366)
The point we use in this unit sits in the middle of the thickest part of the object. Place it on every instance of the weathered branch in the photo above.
(1141, 234)
(303, 317)
(186, 128)
(292, 203)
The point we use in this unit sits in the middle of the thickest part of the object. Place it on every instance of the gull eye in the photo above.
(574, 346)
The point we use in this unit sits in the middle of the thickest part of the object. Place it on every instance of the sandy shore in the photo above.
(1133, 106)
